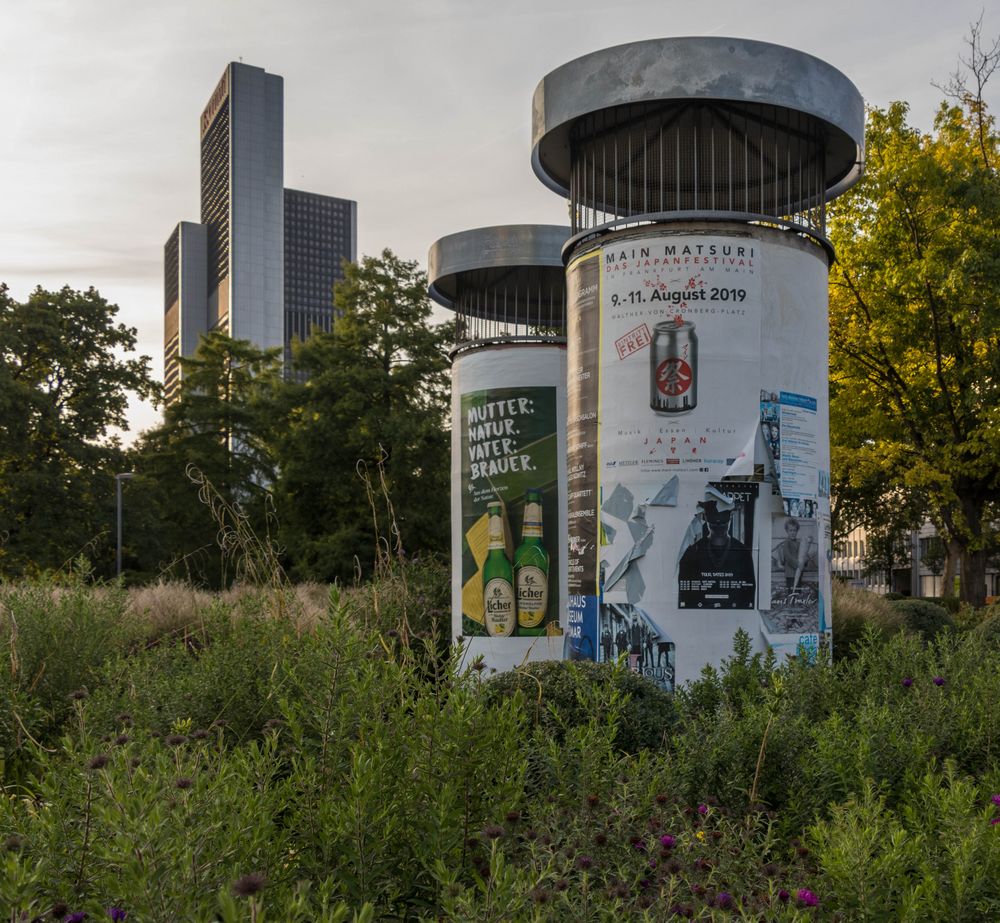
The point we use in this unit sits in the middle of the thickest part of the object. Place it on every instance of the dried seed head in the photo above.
(249, 885)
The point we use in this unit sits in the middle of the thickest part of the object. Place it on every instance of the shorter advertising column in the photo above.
(507, 464)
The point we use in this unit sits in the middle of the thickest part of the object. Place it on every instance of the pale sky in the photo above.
(418, 110)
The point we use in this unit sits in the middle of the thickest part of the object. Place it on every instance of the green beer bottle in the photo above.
(531, 569)
(499, 613)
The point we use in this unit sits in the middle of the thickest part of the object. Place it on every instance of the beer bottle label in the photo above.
(532, 521)
(532, 596)
(500, 614)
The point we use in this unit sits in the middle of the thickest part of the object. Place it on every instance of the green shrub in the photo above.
(989, 631)
(924, 617)
(855, 610)
(950, 603)
(54, 641)
(230, 670)
(555, 693)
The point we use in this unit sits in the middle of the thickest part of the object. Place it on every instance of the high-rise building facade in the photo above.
(320, 233)
(231, 272)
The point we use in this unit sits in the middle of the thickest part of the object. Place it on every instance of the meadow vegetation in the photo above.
(319, 753)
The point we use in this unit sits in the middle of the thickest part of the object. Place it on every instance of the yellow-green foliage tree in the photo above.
(915, 322)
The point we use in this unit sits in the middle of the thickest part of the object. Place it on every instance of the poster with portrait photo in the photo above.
(716, 568)
(800, 507)
(795, 553)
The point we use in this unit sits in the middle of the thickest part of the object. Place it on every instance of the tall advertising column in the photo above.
(685, 349)
(507, 288)
(698, 468)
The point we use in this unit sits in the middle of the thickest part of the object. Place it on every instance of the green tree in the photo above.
(374, 403)
(914, 325)
(65, 380)
(212, 450)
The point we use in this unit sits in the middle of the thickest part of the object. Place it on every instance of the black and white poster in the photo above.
(795, 584)
(716, 569)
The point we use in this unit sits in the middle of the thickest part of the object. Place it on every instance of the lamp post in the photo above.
(121, 476)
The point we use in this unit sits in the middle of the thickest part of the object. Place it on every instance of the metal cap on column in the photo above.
(704, 127)
(504, 283)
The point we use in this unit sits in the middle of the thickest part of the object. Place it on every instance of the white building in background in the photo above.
(922, 547)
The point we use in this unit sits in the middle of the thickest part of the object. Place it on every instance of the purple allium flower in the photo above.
(907, 682)
(59, 910)
(702, 808)
(640, 845)
(783, 896)
(938, 680)
(584, 862)
(807, 898)
(77, 917)
(667, 841)
(724, 900)
(995, 799)
(995, 821)
(117, 914)
(493, 832)
(99, 761)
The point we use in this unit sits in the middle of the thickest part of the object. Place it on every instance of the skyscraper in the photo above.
(232, 272)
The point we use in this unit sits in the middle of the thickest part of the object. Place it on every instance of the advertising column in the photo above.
(671, 498)
(507, 470)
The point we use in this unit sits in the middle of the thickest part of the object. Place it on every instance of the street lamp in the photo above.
(121, 476)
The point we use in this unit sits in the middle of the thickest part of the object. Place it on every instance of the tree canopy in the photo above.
(374, 404)
(212, 456)
(65, 377)
(915, 325)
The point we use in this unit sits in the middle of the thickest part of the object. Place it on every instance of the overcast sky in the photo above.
(419, 110)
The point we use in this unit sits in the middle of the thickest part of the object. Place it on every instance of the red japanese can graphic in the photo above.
(673, 367)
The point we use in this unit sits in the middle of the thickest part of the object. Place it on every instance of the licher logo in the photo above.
(673, 377)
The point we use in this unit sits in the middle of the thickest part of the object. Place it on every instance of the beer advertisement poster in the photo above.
(510, 510)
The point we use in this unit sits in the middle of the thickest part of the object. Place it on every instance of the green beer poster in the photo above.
(509, 454)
